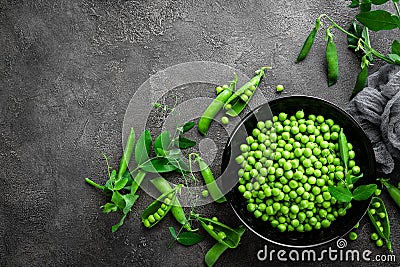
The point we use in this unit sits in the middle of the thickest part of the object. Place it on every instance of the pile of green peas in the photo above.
(287, 165)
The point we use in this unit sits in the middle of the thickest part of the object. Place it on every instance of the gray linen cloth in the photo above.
(377, 109)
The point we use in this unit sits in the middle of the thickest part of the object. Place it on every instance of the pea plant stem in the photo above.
(94, 184)
(373, 51)
(397, 8)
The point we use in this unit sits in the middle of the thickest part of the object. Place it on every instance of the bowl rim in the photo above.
(250, 114)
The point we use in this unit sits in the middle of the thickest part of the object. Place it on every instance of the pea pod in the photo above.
(361, 81)
(208, 177)
(343, 149)
(238, 101)
(331, 59)
(218, 249)
(308, 43)
(127, 154)
(214, 107)
(385, 224)
(230, 237)
(163, 186)
(394, 192)
(158, 208)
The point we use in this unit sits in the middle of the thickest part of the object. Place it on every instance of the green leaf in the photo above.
(120, 183)
(172, 231)
(178, 163)
(396, 47)
(354, 3)
(365, 6)
(395, 58)
(143, 146)
(162, 143)
(354, 179)
(189, 238)
(378, 2)
(378, 20)
(343, 149)
(129, 201)
(185, 143)
(115, 227)
(355, 29)
(109, 207)
(342, 194)
(118, 200)
(158, 165)
(187, 126)
(364, 192)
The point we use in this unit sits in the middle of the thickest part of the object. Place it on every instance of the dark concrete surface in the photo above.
(68, 71)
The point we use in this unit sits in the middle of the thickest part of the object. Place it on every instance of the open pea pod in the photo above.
(218, 249)
(385, 224)
(239, 100)
(230, 237)
(159, 208)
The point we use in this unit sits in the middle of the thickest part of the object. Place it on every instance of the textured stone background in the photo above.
(68, 70)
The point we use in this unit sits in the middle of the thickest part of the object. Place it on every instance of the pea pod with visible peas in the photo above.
(394, 192)
(238, 101)
(219, 231)
(159, 208)
(163, 186)
(382, 228)
(214, 107)
(331, 59)
(208, 177)
(218, 249)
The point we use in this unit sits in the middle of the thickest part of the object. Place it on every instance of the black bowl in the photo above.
(365, 158)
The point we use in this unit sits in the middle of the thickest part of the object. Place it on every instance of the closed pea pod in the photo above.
(394, 192)
(211, 184)
(127, 154)
(163, 186)
(308, 42)
(361, 81)
(218, 249)
(214, 107)
(151, 216)
(331, 59)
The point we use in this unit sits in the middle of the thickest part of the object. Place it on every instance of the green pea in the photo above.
(379, 242)
(294, 209)
(146, 223)
(374, 236)
(353, 236)
(151, 218)
(282, 116)
(157, 217)
(204, 193)
(325, 223)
